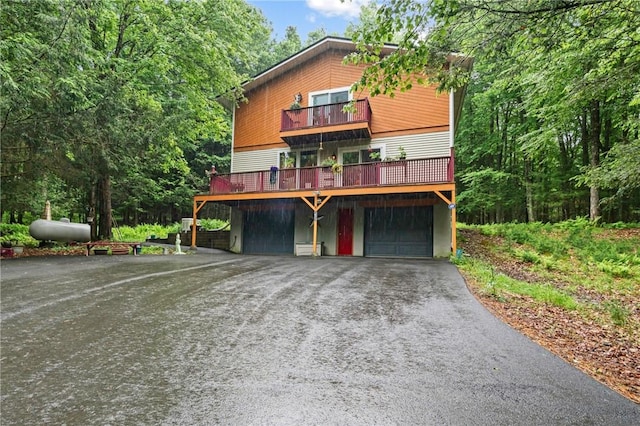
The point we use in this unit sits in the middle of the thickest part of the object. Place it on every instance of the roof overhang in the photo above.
(310, 52)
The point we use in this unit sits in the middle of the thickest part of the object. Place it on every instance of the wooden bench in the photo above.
(111, 244)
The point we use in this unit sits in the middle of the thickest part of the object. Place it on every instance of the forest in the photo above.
(110, 109)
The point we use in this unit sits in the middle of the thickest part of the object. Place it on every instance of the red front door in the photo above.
(345, 232)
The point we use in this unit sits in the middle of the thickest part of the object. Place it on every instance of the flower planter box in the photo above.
(306, 249)
(117, 251)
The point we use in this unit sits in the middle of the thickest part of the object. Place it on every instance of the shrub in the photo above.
(213, 224)
(16, 233)
(142, 232)
(615, 270)
(529, 256)
(618, 312)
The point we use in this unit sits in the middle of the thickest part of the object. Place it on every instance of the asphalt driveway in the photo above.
(226, 339)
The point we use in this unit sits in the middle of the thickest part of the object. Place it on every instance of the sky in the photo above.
(309, 15)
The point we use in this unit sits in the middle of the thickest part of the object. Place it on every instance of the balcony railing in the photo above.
(324, 115)
(391, 173)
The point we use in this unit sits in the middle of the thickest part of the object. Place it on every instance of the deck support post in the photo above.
(194, 225)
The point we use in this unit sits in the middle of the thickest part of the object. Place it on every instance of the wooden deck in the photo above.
(420, 172)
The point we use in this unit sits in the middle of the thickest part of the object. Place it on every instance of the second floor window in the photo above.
(329, 98)
(327, 106)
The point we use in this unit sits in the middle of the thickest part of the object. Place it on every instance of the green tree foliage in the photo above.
(109, 95)
(552, 107)
(110, 107)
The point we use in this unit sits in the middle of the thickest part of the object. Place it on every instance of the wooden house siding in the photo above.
(419, 110)
(257, 123)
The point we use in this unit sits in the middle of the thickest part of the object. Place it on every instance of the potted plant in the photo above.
(328, 162)
(289, 162)
(17, 247)
(297, 99)
(394, 169)
(295, 112)
(402, 154)
(374, 156)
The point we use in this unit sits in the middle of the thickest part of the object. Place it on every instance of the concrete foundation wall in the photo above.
(235, 236)
(441, 230)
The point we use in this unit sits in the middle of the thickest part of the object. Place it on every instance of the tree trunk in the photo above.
(104, 225)
(594, 194)
(528, 187)
(584, 138)
(91, 216)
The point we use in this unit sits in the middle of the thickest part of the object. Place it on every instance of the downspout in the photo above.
(233, 137)
(452, 206)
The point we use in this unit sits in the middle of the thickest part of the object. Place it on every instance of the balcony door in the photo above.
(363, 170)
(325, 110)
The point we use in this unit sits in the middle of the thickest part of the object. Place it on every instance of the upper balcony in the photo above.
(325, 123)
(360, 178)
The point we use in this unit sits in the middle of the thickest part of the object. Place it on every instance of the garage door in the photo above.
(268, 232)
(399, 231)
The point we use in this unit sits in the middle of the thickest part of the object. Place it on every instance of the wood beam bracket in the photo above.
(316, 205)
(445, 199)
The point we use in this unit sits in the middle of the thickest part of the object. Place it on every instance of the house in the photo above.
(311, 177)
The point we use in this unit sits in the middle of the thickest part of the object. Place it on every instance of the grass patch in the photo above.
(580, 251)
(152, 250)
(499, 285)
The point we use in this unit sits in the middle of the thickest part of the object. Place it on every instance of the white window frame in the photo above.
(329, 91)
(382, 147)
(298, 154)
(288, 152)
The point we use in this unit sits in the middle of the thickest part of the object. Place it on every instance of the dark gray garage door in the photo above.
(399, 231)
(268, 232)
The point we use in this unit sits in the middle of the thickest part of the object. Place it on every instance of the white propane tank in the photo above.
(62, 230)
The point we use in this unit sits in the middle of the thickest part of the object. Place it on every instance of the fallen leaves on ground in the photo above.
(608, 353)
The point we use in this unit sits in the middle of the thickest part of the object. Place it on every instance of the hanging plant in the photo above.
(328, 162)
